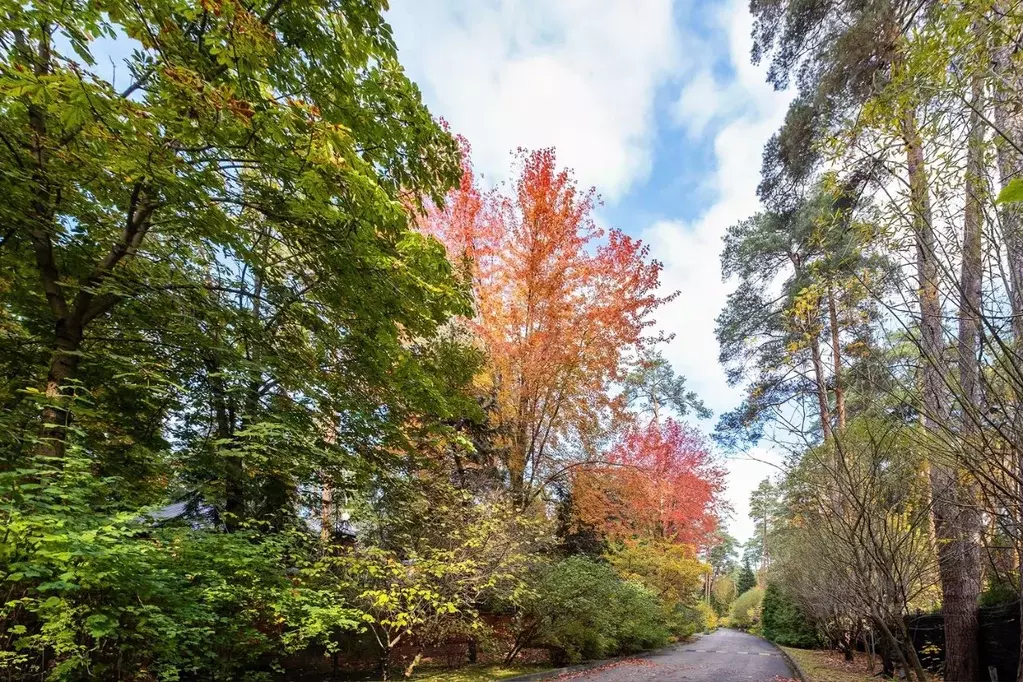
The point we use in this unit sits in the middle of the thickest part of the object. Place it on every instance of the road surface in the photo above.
(721, 656)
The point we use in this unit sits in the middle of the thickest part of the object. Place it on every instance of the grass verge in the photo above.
(830, 666)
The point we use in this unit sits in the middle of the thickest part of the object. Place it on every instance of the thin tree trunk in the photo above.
(971, 273)
(517, 457)
(896, 647)
(234, 467)
(765, 560)
(956, 546)
(1009, 123)
(234, 506)
(967, 508)
(914, 660)
(56, 414)
(326, 509)
(868, 646)
(836, 355)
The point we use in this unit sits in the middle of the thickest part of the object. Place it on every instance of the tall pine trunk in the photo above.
(823, 404)
(971, 270)
(958, 562)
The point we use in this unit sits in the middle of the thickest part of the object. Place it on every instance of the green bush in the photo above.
(581, 609)
(747, 609)
(91, 594)
(998, 591)
(638, 619)
(783, 622)
(689, 620)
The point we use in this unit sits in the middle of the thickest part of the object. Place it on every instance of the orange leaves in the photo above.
(559, 303)
(660, 482)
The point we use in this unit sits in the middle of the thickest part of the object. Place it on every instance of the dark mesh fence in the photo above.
(998, 645)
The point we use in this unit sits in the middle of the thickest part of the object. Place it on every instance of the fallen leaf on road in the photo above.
(639, 662)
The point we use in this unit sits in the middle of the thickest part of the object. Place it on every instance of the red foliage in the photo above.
(660, 482)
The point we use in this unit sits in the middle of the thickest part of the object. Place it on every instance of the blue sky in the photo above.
(653, 102)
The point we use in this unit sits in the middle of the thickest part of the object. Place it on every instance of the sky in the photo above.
(653, 102)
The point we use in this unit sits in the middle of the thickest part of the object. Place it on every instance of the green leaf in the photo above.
(99, 625)
(1012, 193)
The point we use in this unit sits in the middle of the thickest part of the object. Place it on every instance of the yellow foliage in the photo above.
(669, 570)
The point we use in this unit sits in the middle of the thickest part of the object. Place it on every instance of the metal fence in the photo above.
(998, 640)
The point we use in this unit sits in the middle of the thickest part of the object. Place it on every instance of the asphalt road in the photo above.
(721, 656)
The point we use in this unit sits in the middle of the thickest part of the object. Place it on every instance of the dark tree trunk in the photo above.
(70, 317)
(234, 467)
(911, 654)
(901, 653)
(846, 643)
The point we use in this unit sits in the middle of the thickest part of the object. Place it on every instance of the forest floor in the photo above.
(831, 666)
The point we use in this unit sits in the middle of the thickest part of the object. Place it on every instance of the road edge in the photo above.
(554, 673)
(791, 660)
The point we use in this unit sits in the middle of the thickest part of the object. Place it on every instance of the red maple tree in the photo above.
(560, 303)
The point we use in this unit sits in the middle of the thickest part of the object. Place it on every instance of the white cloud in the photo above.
(705, 100)
(577, 74)
(745, 115)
